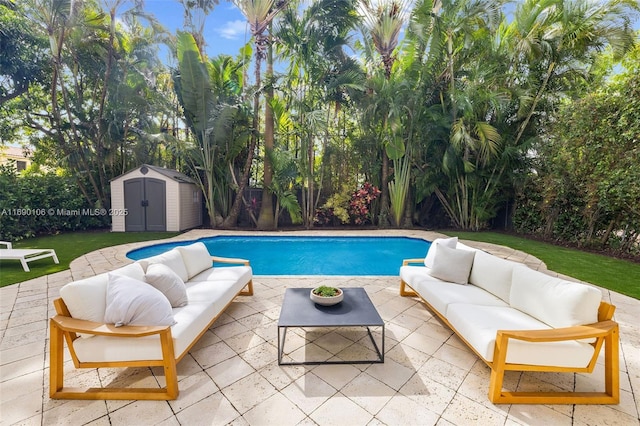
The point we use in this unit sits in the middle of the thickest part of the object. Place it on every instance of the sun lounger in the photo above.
(26, 255)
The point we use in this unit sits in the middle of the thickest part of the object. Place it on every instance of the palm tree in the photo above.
(555, 40)
(320, 79)
(259, 14)
(383, 23)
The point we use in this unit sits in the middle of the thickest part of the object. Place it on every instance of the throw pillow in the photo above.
(173, 259)
(196, 258)
(168, 282)
(431, 253)
(133, 302)
(452, 265)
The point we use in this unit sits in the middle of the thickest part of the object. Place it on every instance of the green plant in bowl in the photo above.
(326, 296)
(325, 291)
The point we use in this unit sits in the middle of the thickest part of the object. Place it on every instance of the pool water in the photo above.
(275, 255)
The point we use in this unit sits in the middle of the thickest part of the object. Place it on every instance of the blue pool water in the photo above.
(275, 255)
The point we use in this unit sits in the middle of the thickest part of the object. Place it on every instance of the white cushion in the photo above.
(452, 265)
(478, 325)
(171, 258)
(207, 300)
(86, 299)
(134, 302)
(492, 274)
(431, 253)
(196, 258)
(168, 282)
(243, 274)
(552, 300)
(440, 294)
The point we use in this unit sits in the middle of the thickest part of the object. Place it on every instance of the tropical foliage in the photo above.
(463, 113)
(43, 203)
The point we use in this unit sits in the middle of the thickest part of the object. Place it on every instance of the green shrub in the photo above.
(35, 203)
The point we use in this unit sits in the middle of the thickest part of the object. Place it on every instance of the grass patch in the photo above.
(68, 247)
(621, 276)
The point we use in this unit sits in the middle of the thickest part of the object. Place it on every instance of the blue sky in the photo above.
(225, 28)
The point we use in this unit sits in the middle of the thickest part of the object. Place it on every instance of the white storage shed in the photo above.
(151, 198)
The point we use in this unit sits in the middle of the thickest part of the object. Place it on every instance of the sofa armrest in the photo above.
(599, 329)
(604, 332)
(406, 262)
(74, 325)
(218, 259)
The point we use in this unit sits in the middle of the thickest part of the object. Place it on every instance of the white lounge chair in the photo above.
(26, 255)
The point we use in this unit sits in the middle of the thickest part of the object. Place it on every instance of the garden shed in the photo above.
(151, 198)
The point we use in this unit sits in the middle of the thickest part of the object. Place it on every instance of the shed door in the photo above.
(145, 201)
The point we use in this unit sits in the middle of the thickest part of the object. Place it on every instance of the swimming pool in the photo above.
(309, 255)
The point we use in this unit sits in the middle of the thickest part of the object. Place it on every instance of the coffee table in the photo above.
(356, 310)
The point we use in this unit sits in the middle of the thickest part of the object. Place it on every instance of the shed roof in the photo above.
(171, 174)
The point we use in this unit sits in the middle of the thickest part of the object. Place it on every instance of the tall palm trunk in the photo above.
(267, 220)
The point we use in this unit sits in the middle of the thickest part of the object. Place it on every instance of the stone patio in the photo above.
(231, 376)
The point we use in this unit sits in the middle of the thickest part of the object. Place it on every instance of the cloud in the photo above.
(234, 30)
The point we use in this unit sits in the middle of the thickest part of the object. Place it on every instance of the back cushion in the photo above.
(452, 265)
(173, 260)
(86, 299)
(196, 258)
(492, 274)
(431, 253)
(554, 301)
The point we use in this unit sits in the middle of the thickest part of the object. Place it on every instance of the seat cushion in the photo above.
(196, 258)
(168, 282)
(554, 301)
(134, 302)
(478, 325)
(492, 274)
(431, 253)
(440, 294)
(243, 274)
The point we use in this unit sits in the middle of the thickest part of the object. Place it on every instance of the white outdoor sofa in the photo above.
(26, 255)
(148, 313)
(517, 319)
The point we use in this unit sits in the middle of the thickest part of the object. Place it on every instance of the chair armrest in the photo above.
(406, 262)
(599, 329)
(7, 244)
(99, 329)
(218, 259)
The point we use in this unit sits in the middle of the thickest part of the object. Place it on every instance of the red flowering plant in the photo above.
(344, 207)
(360, 204)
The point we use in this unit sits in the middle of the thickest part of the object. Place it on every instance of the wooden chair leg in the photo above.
(249, 289)
(404, 292)
(169, 364)
(56, 359)
(612, 365)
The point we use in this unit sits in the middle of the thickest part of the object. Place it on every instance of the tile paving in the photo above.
(231, 375)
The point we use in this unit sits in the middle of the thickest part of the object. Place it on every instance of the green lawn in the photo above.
(615, 274)
(68, 247)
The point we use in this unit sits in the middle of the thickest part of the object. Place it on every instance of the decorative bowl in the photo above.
(326, 300)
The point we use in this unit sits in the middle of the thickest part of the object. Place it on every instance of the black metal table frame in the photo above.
(282, 335)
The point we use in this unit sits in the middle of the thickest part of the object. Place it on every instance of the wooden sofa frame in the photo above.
(605, 332)
(64, 327)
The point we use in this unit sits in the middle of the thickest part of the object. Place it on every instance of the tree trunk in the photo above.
(266, 219)
(232, 220)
